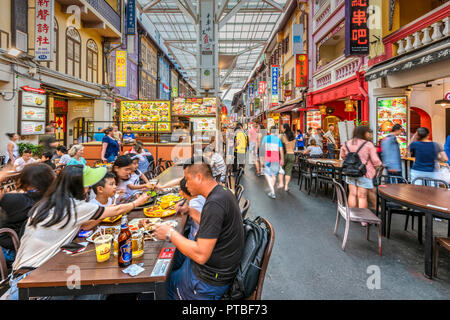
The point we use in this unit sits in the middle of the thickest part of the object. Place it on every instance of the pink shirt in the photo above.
(252, 133)
(368, 155)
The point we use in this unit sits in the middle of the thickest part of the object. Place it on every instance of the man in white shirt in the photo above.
(331, 142)
(25, 159)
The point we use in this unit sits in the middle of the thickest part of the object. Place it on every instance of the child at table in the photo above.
(105, 190)
(56, 219)
(134, 184)
(124, 168)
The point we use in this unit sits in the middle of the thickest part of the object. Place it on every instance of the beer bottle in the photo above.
(124, 241)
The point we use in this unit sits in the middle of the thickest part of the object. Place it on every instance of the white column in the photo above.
(401, 47)
(436, 31)
(409, 46)
(426, 36)
(447, 26)
(417, 43)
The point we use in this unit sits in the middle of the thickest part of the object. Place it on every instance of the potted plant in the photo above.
(36, 149)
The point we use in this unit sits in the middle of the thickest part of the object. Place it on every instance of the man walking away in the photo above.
(240, 147)
(331, 142)
(390, 152)
(272, 155)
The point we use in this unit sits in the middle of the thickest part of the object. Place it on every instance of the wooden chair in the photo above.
(256, 295)
(168, 164)
(244, 208)
(9, 185)
(239, 191)
(443, 242)
(3, 266)
(354, 214)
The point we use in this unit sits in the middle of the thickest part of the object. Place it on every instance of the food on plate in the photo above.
(38, 100)
(170, 197)
(110, 230)
(399, 115)
(397, 121)
(29, 112)
(38, 128)
(386, 126)
(158, 213)
(385, 114)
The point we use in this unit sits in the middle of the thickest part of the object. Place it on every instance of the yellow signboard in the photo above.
(121, 68)
(141, 116)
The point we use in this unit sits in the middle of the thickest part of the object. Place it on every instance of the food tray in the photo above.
(98, 233)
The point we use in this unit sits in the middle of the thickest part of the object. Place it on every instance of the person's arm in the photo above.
(442, 156)
(146, 181)
(104, 146)
(10, 151)
(374, 158)
(281, 156)
(113, 211)
(198, 251)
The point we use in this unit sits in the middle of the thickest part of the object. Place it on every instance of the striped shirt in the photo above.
(219, 167)
(271, 144)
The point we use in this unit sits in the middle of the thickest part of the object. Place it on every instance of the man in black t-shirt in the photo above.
(212, 260)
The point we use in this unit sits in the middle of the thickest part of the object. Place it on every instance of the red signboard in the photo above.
(356, 30)
(301, 70)
(37, 90)
(262, 87)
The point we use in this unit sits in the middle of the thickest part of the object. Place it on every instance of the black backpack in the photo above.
(256, 239)
(352, 166)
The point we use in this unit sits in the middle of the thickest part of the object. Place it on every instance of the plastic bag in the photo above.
(281, 171)
(444, 174)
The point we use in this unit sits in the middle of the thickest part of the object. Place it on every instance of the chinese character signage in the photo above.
(301, 70)
(44, 30)
(356, 30)
(121, 68)
(262, 87)
(207, 25)
(131, 17)
(275, 74)
(297, 38)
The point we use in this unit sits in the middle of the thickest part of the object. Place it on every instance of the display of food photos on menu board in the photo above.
(32, 113)
(391, 111)
(204, 124)
(313, 119)
(147, 113)
(194, 106)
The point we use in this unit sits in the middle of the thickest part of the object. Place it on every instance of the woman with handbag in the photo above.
(288, 140)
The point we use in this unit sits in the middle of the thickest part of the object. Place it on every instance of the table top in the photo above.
(53, 273)
(430, 198)
(335, 162)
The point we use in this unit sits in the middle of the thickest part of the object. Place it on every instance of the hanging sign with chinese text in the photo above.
(207, 26)
(275, 74)
(44, 30)
(356, 30)
(131, 17)
(262, 87)
(121, 68)
(301, 70)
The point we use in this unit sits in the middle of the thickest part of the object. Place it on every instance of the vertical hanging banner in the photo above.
(262, 87)
(301, 70)
(121, 68)
(207, 44)
(275, 74)
(131, 17)
(44, 30)
(297, 38)
(356, 30)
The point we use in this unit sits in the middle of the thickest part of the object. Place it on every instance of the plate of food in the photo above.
(144, 224)
(158, 212)
(113, 230)
(170, 197)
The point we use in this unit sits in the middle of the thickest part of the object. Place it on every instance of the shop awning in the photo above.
(289, 108)
(432, 53)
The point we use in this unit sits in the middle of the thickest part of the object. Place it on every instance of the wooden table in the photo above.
(432, 201)
(53, 277)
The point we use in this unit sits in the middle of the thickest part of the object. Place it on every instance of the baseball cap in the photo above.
(92, 176)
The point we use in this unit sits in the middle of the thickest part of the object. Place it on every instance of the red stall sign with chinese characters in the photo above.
(262, 87)
(44, 30)
(301, 70)
(356, 30)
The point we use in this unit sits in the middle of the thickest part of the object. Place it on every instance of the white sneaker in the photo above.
(272, 195)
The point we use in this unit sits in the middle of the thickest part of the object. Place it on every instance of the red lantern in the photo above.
(224, 110)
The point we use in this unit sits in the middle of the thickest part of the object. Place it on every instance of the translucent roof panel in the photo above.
(244, 34)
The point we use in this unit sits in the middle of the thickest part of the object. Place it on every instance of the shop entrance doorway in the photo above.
(419, 118)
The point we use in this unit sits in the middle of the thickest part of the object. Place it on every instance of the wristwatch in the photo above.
(169, 234)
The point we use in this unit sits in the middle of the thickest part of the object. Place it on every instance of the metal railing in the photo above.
(107, 12)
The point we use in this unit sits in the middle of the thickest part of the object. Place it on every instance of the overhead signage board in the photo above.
(356, 30)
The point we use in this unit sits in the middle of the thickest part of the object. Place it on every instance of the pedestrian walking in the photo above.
(390, 152)
(288, 139)
(271, 153)
(299, 141)
(364, 148)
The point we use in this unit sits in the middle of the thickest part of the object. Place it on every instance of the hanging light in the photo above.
(323, 109)
(224, 110)
(445, 101)
(349, 106)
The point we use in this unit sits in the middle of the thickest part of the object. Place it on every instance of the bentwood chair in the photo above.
(3, 265)
(239, 191)
(245, 208)
(354, 214)
(256, 295)
(439, 242)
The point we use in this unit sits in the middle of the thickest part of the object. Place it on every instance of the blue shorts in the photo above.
(184, 285)
(271, 168)
(361, 182)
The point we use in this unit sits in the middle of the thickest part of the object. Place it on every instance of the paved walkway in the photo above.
(307, 261)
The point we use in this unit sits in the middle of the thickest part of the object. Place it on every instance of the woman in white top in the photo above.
(12, 149)
(56, 219)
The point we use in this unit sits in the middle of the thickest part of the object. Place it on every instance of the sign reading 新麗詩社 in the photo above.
(131, 17)
(44, 30)
(356, 30)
